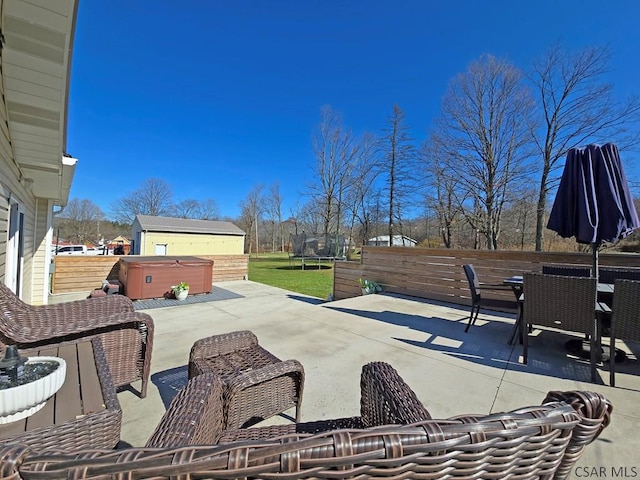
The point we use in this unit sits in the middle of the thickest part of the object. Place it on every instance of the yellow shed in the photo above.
(181, 236)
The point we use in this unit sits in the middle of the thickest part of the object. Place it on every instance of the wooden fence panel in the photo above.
(437, 274)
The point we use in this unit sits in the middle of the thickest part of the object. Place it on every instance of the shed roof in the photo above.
(187, 225)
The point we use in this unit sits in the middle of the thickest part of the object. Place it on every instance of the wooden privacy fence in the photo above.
(77, 273)
(437, 274)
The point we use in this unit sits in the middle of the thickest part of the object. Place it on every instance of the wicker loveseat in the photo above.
(541, 441)
(127, 336)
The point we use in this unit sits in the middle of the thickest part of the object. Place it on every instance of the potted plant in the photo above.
(181, 290)
(27, 383)
(369, 286)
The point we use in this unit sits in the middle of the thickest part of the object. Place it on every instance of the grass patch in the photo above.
(274, 269)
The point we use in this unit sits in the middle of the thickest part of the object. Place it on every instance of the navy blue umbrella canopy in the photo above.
(593, 202)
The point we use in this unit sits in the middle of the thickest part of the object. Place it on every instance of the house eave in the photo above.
(36, 62)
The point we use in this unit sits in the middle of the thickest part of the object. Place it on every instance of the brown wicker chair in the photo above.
(563, 302)
(529, 443)
(127, 336)
(195, 414)
(257, 384)
(624, 320)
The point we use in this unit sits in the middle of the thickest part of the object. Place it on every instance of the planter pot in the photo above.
(24, 400)
(182, 294)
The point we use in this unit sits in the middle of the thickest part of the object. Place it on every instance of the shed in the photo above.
(153, 235)
(398, 241)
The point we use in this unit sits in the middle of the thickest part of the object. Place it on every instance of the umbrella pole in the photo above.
(596, 355)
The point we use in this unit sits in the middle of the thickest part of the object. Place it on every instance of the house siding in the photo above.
(42, 253)
(12, 189)
(192, 243)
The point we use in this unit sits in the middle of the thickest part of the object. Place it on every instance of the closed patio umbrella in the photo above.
(593, 202)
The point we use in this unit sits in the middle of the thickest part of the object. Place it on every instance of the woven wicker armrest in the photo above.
(64, 327)
(528, 445)
(594, 411)
(385, 398)
(100, 307)
(194, 417)
(222, 344)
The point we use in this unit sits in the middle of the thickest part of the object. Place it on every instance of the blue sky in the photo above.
(218, 96)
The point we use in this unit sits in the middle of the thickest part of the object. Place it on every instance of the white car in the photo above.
(72, 250)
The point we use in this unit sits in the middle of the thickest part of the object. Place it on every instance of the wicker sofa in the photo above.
(541, 441)
(127, 336)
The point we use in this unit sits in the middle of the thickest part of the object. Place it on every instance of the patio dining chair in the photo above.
(477, 300)
(127, 336)
(611, 274)
(624, 321)
(567, 270)
(562, 302)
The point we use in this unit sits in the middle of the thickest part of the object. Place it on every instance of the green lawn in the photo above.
(274, 269)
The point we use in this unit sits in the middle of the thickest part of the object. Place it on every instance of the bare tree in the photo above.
(443, 197)
(364, 172)
(577, 106)
(399, 153)
(154, 197)
(207, 210)
(483, 131)
(185, 209)
(273, 208)
(251, 210)
(334, 150)
(80, 221)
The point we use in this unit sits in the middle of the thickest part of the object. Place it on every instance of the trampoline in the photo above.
(317, 247)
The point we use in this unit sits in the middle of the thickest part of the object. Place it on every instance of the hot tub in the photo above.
(153, 277)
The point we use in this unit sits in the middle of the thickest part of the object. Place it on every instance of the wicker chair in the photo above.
(624, 321)
(257, 384)
(566, 270)
(610, 275)
(127, 336)
(195, 414)
(529, 443)
(477, 300)
(564, 302)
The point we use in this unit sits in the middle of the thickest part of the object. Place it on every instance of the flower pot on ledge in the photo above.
(181, 294)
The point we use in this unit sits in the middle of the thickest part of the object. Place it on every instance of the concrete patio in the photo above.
(452, 372)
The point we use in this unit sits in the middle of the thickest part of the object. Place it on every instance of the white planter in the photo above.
(182, 294)
(24, 400)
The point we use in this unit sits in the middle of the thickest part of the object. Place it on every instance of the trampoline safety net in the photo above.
(327, 246)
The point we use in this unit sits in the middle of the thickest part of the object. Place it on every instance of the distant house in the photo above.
(119, 245)
(180, 236)
(398, 241)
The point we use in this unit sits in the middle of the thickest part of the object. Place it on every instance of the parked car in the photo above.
(72, 250)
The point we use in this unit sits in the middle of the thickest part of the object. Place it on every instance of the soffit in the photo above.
(36, 55)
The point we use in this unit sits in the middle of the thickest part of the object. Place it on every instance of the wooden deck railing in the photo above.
(76, 273)
(437, 274)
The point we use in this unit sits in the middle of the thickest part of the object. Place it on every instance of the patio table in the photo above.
(84, 413)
